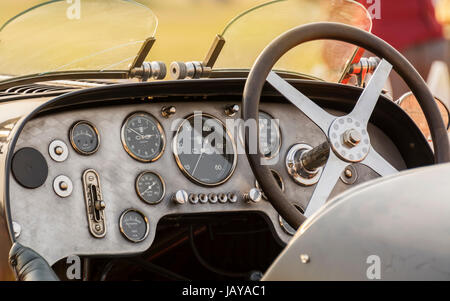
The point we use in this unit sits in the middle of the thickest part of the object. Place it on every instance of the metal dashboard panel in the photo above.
(57, 227)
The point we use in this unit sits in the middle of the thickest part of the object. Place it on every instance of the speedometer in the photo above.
(204, 150)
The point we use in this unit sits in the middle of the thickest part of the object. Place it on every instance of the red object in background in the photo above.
(405, 23)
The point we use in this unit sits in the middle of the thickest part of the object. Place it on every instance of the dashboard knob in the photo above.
(100, 205)
(180, 197)
(253, 196)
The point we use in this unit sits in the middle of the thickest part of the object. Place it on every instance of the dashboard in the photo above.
(100, 178)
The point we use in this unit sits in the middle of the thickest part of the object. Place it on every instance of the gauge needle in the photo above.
(136, 132)
(196, 164)
(149, 187)
(202, 151)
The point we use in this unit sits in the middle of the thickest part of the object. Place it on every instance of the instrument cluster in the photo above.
(204, 149)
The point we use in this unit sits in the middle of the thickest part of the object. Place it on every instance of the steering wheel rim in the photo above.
(261, 71)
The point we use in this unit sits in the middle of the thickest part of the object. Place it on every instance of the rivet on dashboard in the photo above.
(231, 110)
(168, 111)
(232, 197)
(304, 258)
(193, 198)
(203, 198)
(223, 198)
(212, 198)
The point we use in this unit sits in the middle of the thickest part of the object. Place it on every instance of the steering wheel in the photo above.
(336, 129)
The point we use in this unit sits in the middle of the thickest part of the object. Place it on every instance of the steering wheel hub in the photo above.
(349, 139)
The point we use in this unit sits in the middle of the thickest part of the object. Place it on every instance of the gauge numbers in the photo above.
(84, 137)
(150, 187)
(143, 137)
(205, 150)
(134, 225)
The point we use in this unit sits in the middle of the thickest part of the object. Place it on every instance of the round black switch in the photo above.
(29, 167)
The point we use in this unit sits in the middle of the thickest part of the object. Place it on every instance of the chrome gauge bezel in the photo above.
(147, 225)
(72, 142)
(160, 129)
(278, 128)
(162, 183)
(180, 165)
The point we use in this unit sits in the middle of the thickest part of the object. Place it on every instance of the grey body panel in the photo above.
(403, 219)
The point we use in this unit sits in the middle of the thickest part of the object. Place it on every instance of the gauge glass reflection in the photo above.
(150, 187)
(143, 137)
(205, 150)
(84, 137)
(134, 225)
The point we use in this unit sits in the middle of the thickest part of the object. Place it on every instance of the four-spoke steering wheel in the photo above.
(347, 136)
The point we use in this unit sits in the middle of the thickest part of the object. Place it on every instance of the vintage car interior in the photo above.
(92, 146)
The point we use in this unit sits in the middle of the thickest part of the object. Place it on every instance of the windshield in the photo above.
(107, 35)
(88, 35)
(250, 32)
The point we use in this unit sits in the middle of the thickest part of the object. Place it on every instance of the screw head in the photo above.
(304, 258)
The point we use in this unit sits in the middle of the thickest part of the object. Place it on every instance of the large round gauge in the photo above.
(269, 135)
(143, 137)
(134, 225)
(150, 187)
(84, 137)
(205, 150)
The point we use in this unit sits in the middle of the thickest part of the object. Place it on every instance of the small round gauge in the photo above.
(134, 225)
(143, 137)
(84, 137)
(150, 187)
(204, 150)
(269, 135)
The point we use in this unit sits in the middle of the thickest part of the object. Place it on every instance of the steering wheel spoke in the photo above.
(330, 175)
(369, 97)
(347, 135)
(376, 162)
(319, 116)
